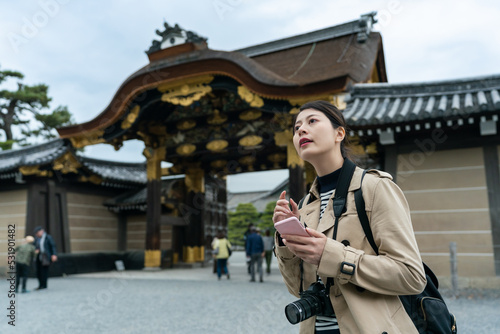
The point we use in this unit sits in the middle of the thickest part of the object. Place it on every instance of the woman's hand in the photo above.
(282, 209)
(310, 249)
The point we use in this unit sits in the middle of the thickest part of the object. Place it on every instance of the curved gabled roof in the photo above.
(312, 64)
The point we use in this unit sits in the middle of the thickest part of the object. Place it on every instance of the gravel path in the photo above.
(187, 301)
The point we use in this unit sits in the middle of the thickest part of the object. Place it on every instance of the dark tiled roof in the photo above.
(389, 104)
(258, 199)
(112, 173)
(40, 154)
(137, 199)
(116, 172)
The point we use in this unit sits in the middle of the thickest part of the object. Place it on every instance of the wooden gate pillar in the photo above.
(295, 164)
(154, 155)
(193, 249)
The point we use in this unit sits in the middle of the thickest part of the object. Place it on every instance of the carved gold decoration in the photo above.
(217, 145)
(283, 138)
(372, 148)
(131, 117)
(250, 115)
(117, 143)
(293, 159)
(217, 118)
(253, 99)
(93, 179)
(189, 91)
(89, 138)
(66, 164)
(186, 149)
(186, 124)
(34, 170)
(339, 101)
(250, 140)
(152, 258)
(294, 111)
(218, 164)
(195, 180)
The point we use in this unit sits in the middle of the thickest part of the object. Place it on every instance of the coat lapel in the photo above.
(310, 213)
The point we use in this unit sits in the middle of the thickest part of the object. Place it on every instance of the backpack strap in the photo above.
(340, 198)
(363, 218)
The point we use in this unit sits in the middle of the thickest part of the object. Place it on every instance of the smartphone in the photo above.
(291, 226)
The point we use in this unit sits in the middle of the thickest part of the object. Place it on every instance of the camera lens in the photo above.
(293, 313)
(302, 309)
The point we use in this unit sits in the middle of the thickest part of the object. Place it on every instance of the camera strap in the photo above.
(339, 206)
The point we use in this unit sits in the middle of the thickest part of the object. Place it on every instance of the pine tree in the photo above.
(266, 217)
(17, 106)
(245, 214)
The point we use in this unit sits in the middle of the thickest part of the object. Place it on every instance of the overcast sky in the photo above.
(84, 50)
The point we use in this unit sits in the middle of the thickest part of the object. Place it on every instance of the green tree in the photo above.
(266, 217)
(16, 107)
(245, 214)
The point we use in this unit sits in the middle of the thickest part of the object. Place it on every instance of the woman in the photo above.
(221, 252)
(364, 297)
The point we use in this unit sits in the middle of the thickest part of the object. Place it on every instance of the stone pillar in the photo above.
(154, 155)
(193, 211)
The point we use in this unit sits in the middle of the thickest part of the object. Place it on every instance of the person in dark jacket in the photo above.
(46, 253)
(255, 250)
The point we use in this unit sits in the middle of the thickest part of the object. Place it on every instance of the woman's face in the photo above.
(315, 136)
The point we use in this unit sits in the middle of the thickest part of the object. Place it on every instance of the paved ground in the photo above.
(186, 301)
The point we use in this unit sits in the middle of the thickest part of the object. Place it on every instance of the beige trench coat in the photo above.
(397, 270)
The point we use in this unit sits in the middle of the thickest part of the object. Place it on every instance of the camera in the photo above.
(313, 301)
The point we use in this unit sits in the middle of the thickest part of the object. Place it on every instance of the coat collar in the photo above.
(310, 212)
(355, 184)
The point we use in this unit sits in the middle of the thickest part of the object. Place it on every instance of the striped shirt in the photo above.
(327, 185)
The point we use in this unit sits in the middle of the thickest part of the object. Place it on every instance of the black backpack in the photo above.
(427, 310)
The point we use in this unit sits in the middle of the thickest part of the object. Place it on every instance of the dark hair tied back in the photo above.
(334, 115)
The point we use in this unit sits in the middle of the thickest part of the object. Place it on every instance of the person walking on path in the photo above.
(245, 238)
(24, 256)
(255, 250)
(46, 253)
(268, 249)
(221, 252)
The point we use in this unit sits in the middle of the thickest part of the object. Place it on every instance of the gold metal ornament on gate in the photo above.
(186, 124)
(188, 92)
(186, 149)
(217, 145)
(250, 115)
(250, 140)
